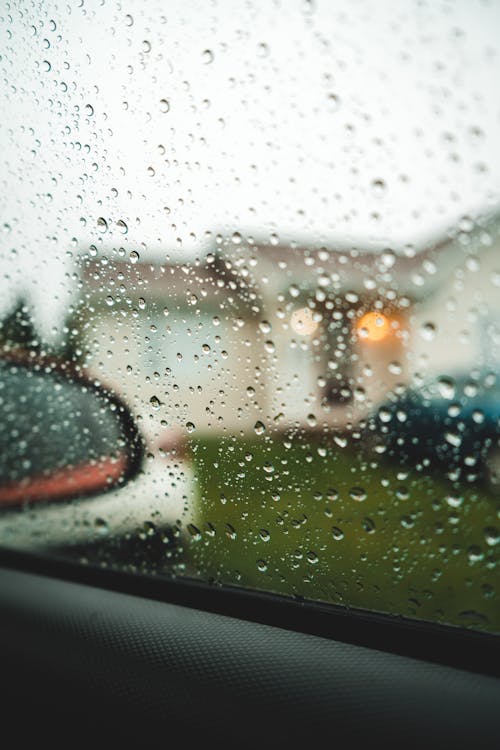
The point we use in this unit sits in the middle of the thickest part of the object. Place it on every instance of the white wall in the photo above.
(465, 312)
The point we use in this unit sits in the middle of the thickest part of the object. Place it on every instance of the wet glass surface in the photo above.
(273, 230)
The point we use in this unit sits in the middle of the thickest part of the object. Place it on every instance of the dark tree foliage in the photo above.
(17, 329)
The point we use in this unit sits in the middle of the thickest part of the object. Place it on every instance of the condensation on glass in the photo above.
(273, 231)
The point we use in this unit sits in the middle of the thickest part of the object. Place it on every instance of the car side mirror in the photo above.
(62, 435)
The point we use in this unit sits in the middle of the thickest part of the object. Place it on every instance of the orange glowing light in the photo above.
(374, 327)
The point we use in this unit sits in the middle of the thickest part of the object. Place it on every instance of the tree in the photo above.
(17, 329)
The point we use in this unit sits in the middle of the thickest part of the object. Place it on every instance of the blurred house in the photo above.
(287, 337)
(456, 326)
(168, 338)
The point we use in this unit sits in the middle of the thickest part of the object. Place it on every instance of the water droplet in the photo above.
(134, 256)
(466, 224)
(454, 501)
(453, 438)
(262, 50)
(368, 525)
(146, 46)
(492, 535)
(478, 416)
(340, 440)
(428, 331)
(264, 535)
(101, 526)
(236, 238)
(333, 102)
(337, 533)
(89, 110)
(164, 105)
(102, 224)
(207, 56)
(194, 532)
(190, 426)
(358, 494)
(407, 522)
(475, 553)
(378, 188)
(269, 347)
(122, 226)
(259, 428)
(155, 402)
(262, 565)
(388, 258)
(446, 387)
(471, 616)
(385, 414)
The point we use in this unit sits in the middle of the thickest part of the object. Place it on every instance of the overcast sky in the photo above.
(373, 121)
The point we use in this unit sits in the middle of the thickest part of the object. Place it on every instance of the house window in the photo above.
(339, 351)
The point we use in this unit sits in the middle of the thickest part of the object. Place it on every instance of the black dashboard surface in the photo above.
(106, 665)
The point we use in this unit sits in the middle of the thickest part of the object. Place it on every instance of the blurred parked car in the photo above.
(449, 422)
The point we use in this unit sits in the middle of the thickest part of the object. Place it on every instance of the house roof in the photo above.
(411, 272)
(184, 284)
(241, 274)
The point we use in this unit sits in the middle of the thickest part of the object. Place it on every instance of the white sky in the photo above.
(285, 126)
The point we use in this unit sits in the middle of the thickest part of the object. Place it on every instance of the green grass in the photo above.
(289, 520)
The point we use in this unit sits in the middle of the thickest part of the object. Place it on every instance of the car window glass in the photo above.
(273, 230)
